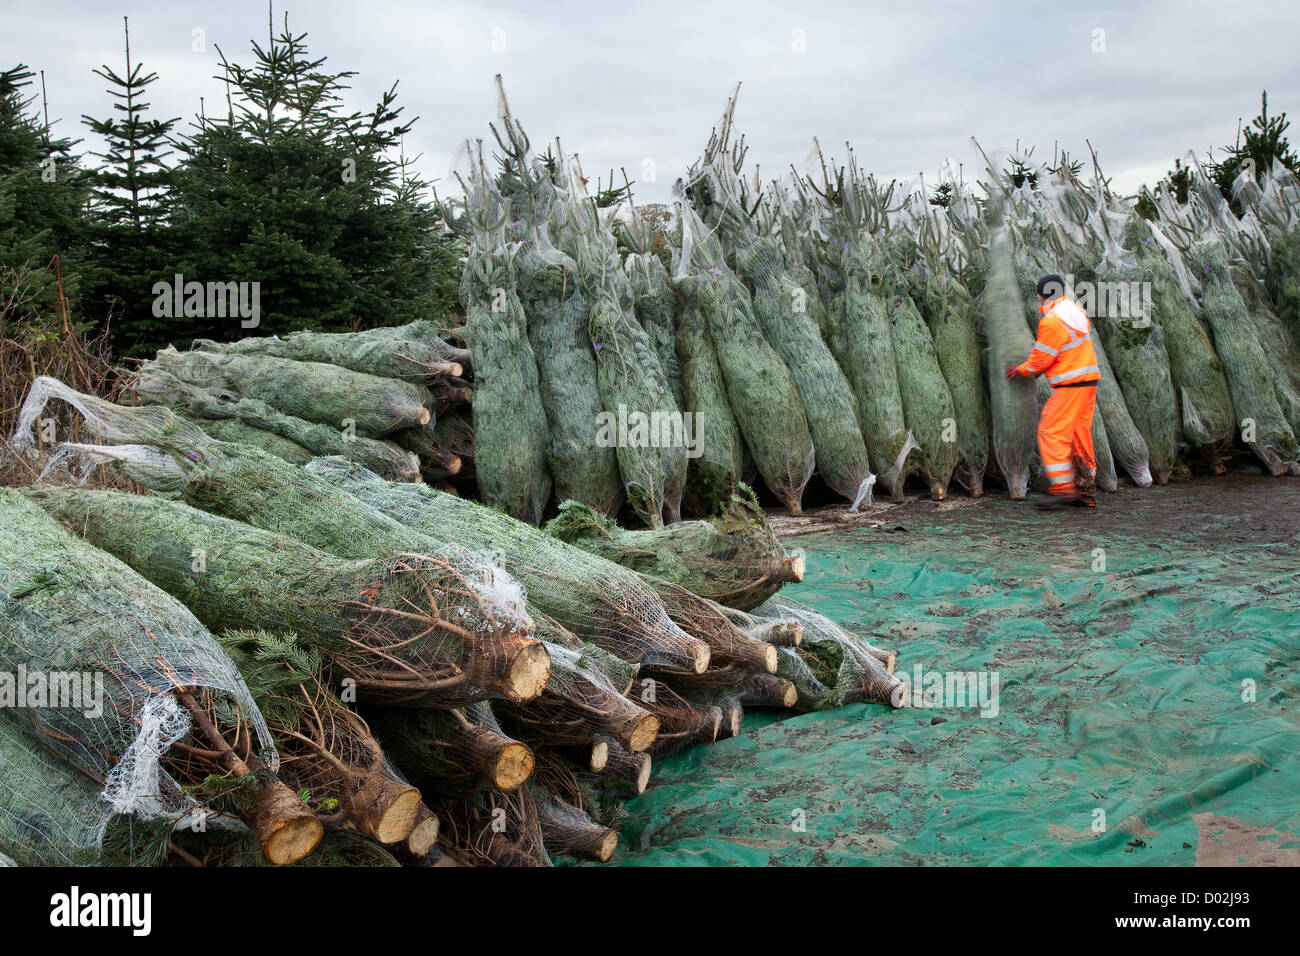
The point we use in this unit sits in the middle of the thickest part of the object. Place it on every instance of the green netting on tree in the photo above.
(1284, 278)
(952, 316)
(814, 303)
(813, 257)
(388, 352)
(1135, 347)
(641, 416)
(239, 433)
(902, 252)
(229, 418)
(780, 305)
(733, 558)
(1107, 478)
(1032, 263)
(1276, 342)
(312, 391)
(861, 341)
(651, 462)
(829, 272)
(1204, 400)
(927, 401)
(655, 305)
(84, 621)
(566, 365)
(439, 627)
(1263, 424)
(714, 472)
(633, 387)
(1127, 445)
(1013, 405)
(598, 600)
(510, 429)
(831, 667)
(760, 390)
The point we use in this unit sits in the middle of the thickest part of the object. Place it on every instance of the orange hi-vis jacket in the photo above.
(1063, 350)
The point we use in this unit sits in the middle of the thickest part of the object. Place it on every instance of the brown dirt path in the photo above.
(1232, 509)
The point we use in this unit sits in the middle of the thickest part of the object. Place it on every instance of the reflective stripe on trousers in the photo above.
(1065, 441)
(1060, 473)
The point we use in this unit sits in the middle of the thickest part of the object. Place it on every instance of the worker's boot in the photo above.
(1085, 485)
(1052, 502)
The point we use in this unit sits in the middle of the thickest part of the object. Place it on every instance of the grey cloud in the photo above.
(907, 85)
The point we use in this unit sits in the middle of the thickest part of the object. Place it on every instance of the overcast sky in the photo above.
(907, 84)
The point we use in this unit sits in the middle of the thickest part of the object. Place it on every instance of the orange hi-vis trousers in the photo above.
(1065, 442)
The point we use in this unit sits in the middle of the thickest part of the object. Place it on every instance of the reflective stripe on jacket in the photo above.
(1063, 351)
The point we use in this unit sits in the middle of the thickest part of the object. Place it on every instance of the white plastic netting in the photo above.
(599, 601)
(500, 595)
(831, 666)
(117, 649)
(137, 782)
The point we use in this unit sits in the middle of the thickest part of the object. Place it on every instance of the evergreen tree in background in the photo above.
(131, 193)
(288, 188)
(290, 191)
(1265, 141)
(1177, 183)
(42, 193)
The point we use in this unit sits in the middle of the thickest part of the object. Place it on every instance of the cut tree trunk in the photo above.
(384, 809)
(765, 690)
(629, 767)
(424, 835)
(570, 832)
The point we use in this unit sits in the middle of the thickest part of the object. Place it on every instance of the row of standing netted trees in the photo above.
(825, 323)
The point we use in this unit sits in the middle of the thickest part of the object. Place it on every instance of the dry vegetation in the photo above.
(34, 342)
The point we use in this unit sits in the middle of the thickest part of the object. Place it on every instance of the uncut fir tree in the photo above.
(42, 190)
(1258, 146)
(129, 247)
(291, 191)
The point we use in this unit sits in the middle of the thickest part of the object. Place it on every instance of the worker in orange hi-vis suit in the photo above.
(1063, 352)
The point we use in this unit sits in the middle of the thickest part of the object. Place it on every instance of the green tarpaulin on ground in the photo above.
(1120, 691)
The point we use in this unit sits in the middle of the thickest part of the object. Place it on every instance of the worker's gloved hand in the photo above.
(1013, 372)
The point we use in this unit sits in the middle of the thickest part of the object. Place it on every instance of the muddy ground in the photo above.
(1147, 670)
(1232, 509)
